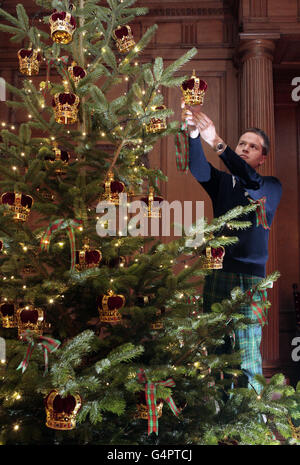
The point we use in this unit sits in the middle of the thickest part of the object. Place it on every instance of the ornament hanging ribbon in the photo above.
(59, 225)
(182, 148)
(48, 345)
(150, 393)
(259, 304)
(261, 217)
(59, 62)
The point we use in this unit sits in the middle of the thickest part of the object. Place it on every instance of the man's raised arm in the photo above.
(201, 169)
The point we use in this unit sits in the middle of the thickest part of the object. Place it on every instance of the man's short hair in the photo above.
(263, 135)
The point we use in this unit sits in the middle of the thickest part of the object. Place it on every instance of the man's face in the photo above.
(250, 147)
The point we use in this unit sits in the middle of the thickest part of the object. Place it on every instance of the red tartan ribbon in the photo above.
(54, 61)
(59, 225)
(182, 148)
(258, 304)
(59, 61)
(150, 392)
(47, 344)
(261, 217)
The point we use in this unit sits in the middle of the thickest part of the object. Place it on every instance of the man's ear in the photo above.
(263, 159)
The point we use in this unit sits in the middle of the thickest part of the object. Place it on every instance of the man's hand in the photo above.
(187, 117)
(198, 122)
(205, 125)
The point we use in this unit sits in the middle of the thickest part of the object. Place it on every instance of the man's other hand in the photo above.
(203, 123)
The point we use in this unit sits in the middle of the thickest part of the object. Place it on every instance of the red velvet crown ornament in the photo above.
(109, 306)
(29, 61)
(194, 90)
(156, 124)
(76, 72)
(61, 412)
(124, 38)
(60, 155)
(30, 317)
(8, 316)
(87, 258)
(112, 189)
(19, 204)
(62, 26)
(65, 106)
(152, 211)
(213, 258)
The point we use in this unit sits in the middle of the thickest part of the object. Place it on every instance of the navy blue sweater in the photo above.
(250, 254)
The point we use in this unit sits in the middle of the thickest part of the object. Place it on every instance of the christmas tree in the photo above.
(103, 329)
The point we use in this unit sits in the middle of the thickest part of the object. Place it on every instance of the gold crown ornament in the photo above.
(30, 317)
(151, 210)
(62, 27)
(112, 189)
(143, 410)
(146, 300)
(86, 257)
(109, 306)
(19, 204)
(76, 72)
(295, 430)
(213, 258)
(8, 315)
(193, 90)
(66, 106)
(59, 156)
(45, 194)
(158, 324)
(156, 124)
(29, 61)
(61, 412)
(124, 38)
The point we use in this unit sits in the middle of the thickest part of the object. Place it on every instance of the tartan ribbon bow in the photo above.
(150, 392)
(261, 217)
(258, 304)
(48, 345)
(59, 225)
(182, 148)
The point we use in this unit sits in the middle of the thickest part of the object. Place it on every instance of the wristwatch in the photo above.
(220, 147)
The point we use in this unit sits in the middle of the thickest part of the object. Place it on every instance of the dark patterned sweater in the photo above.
(250, 254)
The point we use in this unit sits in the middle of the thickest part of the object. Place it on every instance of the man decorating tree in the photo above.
(244, 263)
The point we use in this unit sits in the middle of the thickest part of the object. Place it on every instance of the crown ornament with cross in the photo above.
(193, 90)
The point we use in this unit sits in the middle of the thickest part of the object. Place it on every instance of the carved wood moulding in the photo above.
(163, 8)
(186, 11)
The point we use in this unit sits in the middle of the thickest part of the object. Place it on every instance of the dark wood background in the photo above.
(218, 28)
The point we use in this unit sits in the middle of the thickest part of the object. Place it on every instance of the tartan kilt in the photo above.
(217, 287)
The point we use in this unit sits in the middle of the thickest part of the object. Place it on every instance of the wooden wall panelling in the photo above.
(283, 10)
(258, 8)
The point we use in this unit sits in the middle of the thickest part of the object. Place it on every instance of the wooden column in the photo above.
(257, 110)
